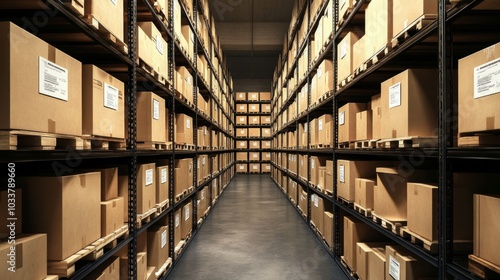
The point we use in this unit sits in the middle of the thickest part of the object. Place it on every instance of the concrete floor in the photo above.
(255, 233)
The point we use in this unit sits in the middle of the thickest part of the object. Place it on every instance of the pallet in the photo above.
(39, 141)
(328, 192)
(432, 246)
(92, 252)
(484, 140)
(180, 196)
(367, 144)
(347, 145)
(162, 207)
(185, 147)
(345, 201)
(74, 6)
(483, 268)
(144, 66)
(145, 218)
(91, 142)
(413, 28)
(393, 226)
(96, 25)
(163, 269)
(363, 211)
(353, 273)
(408, 142)
(346, 81)
(374, 59)
(154, 146)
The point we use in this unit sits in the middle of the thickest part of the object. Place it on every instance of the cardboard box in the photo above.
(254, 144)
(254, 120)
(241, 168)
(112, 215)
(254, 156)
(254, 168)
(404, 14)
(183, 169)
(162, 183)
(265, 108)
(348, 171)
(478, 105)
(4, 211)
(189, 40)
(123, 192)
(184, 83)
(313, 126)
(146, 187)
(265, 145)
(266, 168)
(390, 194)
(27, 104)
(317, 212)
(241, 120)
(357, 231)
(242, 132)
(378, 26)
(253, 96)
(329, 177)
(422, 210)
(57, 208)
(302, 200)
(347, 121)
(363, 251)
(187, 220)
(315, 164)
(241, 108)
(158, 247)
(242, 156)
(183, 129)
(359, 52)
(303, 167)
(328, 228)
(151, 118)
(103, 104)
(99, 10)
(376, 109)
(266, 132)
(401, 264)
(178, 226)
(325, 130)
(364, 124)
(142, 266)
(345, 6)
(265, 120)
(265, 96)
(152, 48)
(254, 132)
(254, 108)
(241, 96)
(241, 144)
(486, 226)
(363, 193)
(30, 256)
(377, 263)
(109, 270)
(345, 55)
(266, 157)
(415, 87)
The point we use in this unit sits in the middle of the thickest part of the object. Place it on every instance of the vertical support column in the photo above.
(132, 140)
(445, 206)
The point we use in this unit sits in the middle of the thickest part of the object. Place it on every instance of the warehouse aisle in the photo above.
(255, 233)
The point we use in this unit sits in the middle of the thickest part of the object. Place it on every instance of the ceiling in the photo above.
(251, 34)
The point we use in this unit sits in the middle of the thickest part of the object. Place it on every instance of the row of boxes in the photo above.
(253, 156)
(256, 132)
(253, 108)
(253, 144)
(253, 168)
(253, 96)
(253, 120)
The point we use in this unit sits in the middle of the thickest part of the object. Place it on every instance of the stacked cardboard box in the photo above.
(183, 129)
(112, 205)
(151, 118)
(183, 169)
(347, 121)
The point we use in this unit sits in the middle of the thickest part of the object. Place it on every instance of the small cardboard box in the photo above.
(242, 156)
(178, 226)
(376, 110)
(265, 96)
(363, 193)
(378, 26)
(486, 228)
(345, 6)
(254, 120)
(265, 120)
(265, 145)
(183, 169)
(317, 212)
(409, 104)
(266, 132)
(253, 96)
(100, 11)
(404, 13)
(376, 263)
(112, 215)
(254, 108)
(329, 176)
(254, 167)
(401, 264)
(266, 156)
(422, 210)
(254, 132)
(103, 104)
(364, 124)
(266, 168)
(347, 121)
(152, 47)
(109, 183)
(151, 118)
(242, 132)
(345, 55)
(242, 168)
(57, 208)
(241, 144)
(363, 251)
(162, 184)
(183, 129)
(254, 144)
(266, 108)
(158, 247)
(187, 220)
(146, 187)
(478, 103)
(328, 228)
(241, 120)
(30, 256)
(30, 100)
(254, 156)
(241, 96)
(348, 171)
(303, 200)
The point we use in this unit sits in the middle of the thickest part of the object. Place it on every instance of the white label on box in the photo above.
(395, 95)
(163, 175)
(342, 118)
(52, 79)
(255, 167)
(394, 268)
(255, 155)
(242, 119)
(320, 125)
(111, 97)
(253, 107)
(242, 131)
(255, 144)
(241, 167)
(203, 160)
(163, 239)
(156, 109)
(241, 95)
(149, 177)
(320, 72)
(242, 144)
(187, 214)
(159, 44)
(268, 167)
(202, 194)
(312, 163)
(342, 173)
(188, 123)
(242, 107)
(177, 220)
(343, 50)
(487, 79)
(316, 201)
(342, 4)
(114, 2)
(192, 37)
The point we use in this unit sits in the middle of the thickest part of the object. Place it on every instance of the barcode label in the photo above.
(342, 118)
(395, 95)
(394, 268)
(52, 79)
(342, 173)
(487, 79)
(163, 239)
(156, 109)
(163, 175)
(111, 97)
(149, 177)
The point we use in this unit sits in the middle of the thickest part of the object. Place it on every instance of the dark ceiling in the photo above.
(251, 34)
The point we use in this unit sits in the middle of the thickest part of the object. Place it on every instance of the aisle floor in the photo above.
(255, 233)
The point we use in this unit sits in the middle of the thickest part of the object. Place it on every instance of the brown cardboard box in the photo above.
(253, 96)
(266, 168)
(422, 210)
(266, 156)
(57, 208)
(183, 129)
(23, 104)
(241, 96)
(364, 124)
(363, 251)
(183, 169)
(376, 115)
(112, 215)
(302, 200)
(187, 220)
(146, 187)
(152, 48)
(255, 120)
(254, 144)
(390, 194)
(178, 226)
(405, 13)
(345, 6)
(254, 156)
(109, 270)
(329, 176)
(317, 212)
(313, 126)
(345, 55)
(162, 185)
(358, 49)
(241, 120)
(486, 228)
(415, 87)
(241, 144)
(103, 103)
(303, 166)
(328, 228)
(157, 247)
(265, 120)
(189, 39)
(324, 75)
(266, 132)
(266, 108)
(242, 132)
(363, 192)
(142, 266)
(241, 108)
(254, 108)
(100, 11)
(266, 145)
(315, 164)
(376, 263)
(325, 130)
(242, 168)
(254, 132)
(4, 211)
(265, 96)
(347, 121)
(151, 118)
(30, 257)
(109, 183)
(348, 171)
(401, 264)
(356, 231)
(123, 192)
(478, 106)
(378, 26)
(254, 167)
(242, 156)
